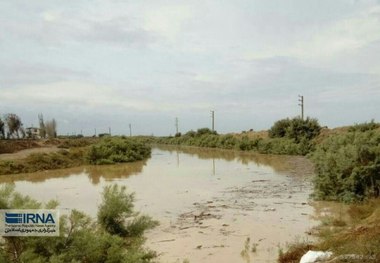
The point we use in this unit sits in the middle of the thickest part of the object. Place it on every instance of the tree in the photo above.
(14, 124)
(42, 126)
(23, 132)
(2, 129)
(51, 128)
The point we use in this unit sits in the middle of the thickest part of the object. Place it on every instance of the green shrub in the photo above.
(77, 142)
(366, 126)
(208, 140)
(107, 151)
(203, 131)
(44, 161)
(117, 150)
(287, 136)
(10, 167)
(228, 142)
(279, 128)
(296, 129)
(81, 238)
(348, 166)
(191, 134)
(279, 146)
(283, 145)
(117, 206)
(246, 144)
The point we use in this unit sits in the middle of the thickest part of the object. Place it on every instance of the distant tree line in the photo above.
(11, 127)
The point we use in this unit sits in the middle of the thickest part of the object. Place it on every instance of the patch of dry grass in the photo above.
(352, 230)
(294, 252)
(252, 134)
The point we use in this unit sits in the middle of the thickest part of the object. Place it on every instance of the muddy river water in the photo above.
(213, 205)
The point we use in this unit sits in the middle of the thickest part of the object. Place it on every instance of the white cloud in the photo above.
(165, 58)
(90, 95)
(167, 20)
(342, 36)
(50, 16)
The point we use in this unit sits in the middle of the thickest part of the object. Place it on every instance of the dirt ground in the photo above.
(12, 146)
(24, 153)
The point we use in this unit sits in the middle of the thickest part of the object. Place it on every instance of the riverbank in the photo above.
(350, 231)
(233, 195)
(73, 153)
(347, 162)
(347, 169)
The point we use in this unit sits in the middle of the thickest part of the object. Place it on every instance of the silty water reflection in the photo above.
(214, 199)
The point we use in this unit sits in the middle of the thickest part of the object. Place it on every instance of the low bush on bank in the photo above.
(366, 126)
(288, 136)
(284, 146)
(348, 166)
(44, 161)
(12, 146)
(106, 151)
(244, 143)
(117, 150)
(116, 236)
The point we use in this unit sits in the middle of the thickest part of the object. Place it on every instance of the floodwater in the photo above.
(213, 205)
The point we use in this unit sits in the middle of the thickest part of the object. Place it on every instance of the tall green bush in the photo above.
(203, 131)
(81, 238)
(116, 208)
(279, 128)
(348, 166)
(117, 150)
(296, 129)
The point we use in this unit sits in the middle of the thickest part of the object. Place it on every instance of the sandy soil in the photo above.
(24, 153)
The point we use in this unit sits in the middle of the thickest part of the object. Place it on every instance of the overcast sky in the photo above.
(95, 64)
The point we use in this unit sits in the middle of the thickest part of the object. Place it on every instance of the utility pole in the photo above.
(213, 120)
(301, 104)
(95, 132)
(109, 130)
(130, 130)
(176, 125)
